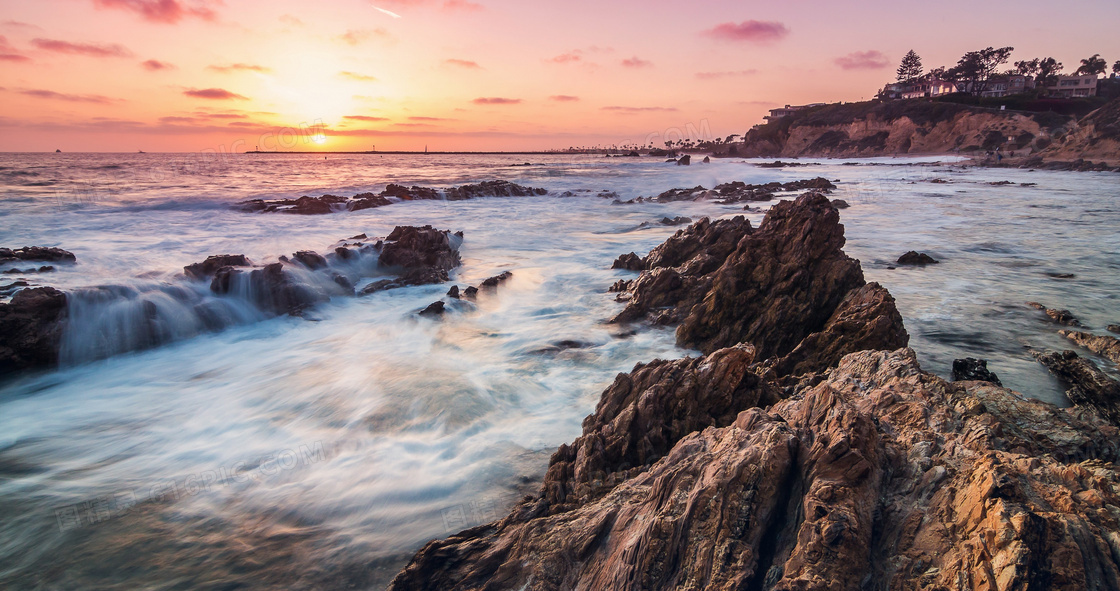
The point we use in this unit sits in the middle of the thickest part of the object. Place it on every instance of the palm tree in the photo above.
(1092, 66)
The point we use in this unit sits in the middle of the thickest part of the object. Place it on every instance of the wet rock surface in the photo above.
(392, 193)
(970, 369)
(1089, 387)
(31, 327)
(915, 258)
(213, 263)
(1060, 316)
(738, 191)
(1103, 345)
(48, 254)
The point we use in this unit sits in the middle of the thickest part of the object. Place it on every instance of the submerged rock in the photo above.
(1114, 328)
(880, 477)
(393, 192)
(207, 268)
(916, 258)
(31, 326)
(973, 370)
(675, 221)
(840, 204)
(1060, 316)
(492, 282)
(436, 308)
(48, 254)
(684, 160)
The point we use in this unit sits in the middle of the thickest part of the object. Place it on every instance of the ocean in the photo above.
(320, 452)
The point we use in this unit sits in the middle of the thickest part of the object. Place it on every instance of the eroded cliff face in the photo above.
(1096, 138)
(812, 453)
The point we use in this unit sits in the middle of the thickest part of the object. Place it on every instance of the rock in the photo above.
(1103, 345)
(684, 160)
(313, 205)
(48, 254)
(409, 193)
(366, 201)
(470, 292)
(426, 254)
(433, 309)
(840, 204)
(619, 286)
(692, 194)
(969, 369)
(706, 160)
(916, 258)
(1114, 328)
(311, 259)
(492, 282)
(330, 203)
(31, 326)
(272, 289)
(453, 292)
(1089, 387)
(1060, 316)
(492, 189)
(630, 262)
(30, 270)
(675, 221)
(207, 268)
(880, 477)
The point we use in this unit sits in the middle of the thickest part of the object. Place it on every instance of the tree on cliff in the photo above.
(1092, 66)
(1116, 68)
(1048, 71)
(976, 67)
(911, 67)
(1027, 67)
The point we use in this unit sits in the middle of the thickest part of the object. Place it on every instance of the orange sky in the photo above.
(213, 75)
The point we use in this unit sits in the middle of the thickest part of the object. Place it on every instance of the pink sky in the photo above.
(193, 75)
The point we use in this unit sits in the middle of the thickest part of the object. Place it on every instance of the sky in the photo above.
(237, 75)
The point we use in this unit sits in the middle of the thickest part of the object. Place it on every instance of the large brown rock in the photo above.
(1103, 345)
(31, 327)
(1089, 387)
(420, 248)
(880, 477)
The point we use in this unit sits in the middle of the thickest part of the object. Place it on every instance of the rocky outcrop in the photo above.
(393, 193)
(1103, 345)
(1060, 316)
(1096, 137)
(916, 258)
(48, 254)
(31, 328)
(207, 268)
(880, 477)
(973, 370)
(738, 191)
(1089, 387)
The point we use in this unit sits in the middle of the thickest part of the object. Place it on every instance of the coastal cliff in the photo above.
(917, 127)
(806, 450)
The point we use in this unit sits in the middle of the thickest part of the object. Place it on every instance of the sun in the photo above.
(319, 138)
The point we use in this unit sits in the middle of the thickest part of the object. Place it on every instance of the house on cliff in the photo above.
(1074, 86)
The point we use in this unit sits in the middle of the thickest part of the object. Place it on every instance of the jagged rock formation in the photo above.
(1060, 316)
(713, 473)
(1096, 137)
(36, 253)
(738, 191)
(969, 369)
(1088, 386)
(1103, 345)
(31, 328)
(882, 476)
(392, 194)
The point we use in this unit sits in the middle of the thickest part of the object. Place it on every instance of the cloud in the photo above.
(863, 60)
(636, 62)
(356, 76)
(20, 25)
(563, 98)
(9, 53)
(163, 11)
(358, 36)
(156, 65)
(214, 94)
(567, 58)
(465, 64)
(73, 98)
(750, 31)
(429, 119)
(639, 109)
(388, 12)
(413, 125)
(462, 5)
(364, 118)
(717, 75)
(240, 68)
(495, 100)
(86, 49)
(290, 20)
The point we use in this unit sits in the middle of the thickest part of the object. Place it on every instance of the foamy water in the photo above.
(317, 452)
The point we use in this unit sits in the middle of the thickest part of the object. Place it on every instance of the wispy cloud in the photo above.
(563, 98)
(20, 26)
(388, 12)
(863, 60)
(9, 53)
(364, 118)
(358, 36)
(240, 68)
(86, 49)
(356, 76)
(636, 62)
(617, 109)
(214, 94)
(465, 64)
(718, 75)
(72, 98)
(164, 11)
(462, 5)
(568, 57)
(749, 31)
(156, 65)
(495, 100)
(419, 118)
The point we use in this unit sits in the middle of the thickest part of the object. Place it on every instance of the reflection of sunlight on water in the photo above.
(426, 425)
